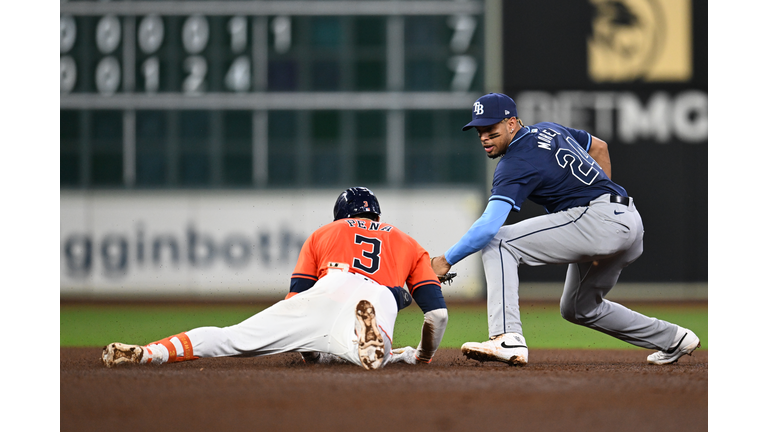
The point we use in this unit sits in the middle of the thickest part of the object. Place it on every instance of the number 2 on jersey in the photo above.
(578, 160)
(372, 255)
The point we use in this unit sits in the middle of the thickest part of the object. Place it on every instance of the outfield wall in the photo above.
(127, 244)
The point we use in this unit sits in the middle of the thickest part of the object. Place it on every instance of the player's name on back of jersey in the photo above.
(545, 137)
(369, 225)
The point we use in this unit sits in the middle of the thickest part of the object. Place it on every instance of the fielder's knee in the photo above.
(571, 314)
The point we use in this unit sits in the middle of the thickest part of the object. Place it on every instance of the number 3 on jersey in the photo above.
(371, 255)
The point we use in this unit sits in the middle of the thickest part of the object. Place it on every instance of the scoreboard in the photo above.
(170, 94)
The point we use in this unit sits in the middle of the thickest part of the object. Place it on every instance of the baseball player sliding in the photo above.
(591, 224)
(345, 293)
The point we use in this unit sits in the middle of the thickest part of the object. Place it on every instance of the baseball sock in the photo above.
(174, 348)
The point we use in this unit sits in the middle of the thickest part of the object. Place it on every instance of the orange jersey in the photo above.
(376, 250)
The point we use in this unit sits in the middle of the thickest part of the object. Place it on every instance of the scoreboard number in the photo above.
(150, 34)
(238, 32)
(197, 68)
(151, 71)
(108, 34)
(108, 76)
(281, 28)
(194, 34)
(238, 76)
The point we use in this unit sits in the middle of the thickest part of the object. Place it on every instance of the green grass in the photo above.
(97, 325)
(543, 327)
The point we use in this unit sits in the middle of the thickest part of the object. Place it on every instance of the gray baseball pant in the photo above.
(596, 241)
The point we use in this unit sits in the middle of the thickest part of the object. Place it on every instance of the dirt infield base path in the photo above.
(560, 390)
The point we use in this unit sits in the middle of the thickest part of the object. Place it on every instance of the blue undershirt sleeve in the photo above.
(481, 232)
(300, 284)
(429, 297)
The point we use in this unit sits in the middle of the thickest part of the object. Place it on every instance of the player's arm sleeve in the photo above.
(304, 275)
(301, 283)
(420, 273)
(482, 231)
(432, 332)
(582, 137)
(426, 292)
(430, 300)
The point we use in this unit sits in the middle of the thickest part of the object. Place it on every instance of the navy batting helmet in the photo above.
(354, 201)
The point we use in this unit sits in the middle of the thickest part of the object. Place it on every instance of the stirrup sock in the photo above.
(179, 348)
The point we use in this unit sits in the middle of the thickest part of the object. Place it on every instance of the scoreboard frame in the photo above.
(394, 100)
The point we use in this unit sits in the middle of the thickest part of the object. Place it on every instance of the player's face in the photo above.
(495, 138)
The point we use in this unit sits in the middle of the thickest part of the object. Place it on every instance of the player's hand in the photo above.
(406, 355)
(440, 265)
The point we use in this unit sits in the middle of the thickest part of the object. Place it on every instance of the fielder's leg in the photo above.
(583, 303)
(501, 265)
(501, 257)
(550, 239)
(587, 283)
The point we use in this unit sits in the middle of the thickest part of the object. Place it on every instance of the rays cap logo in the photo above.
(491, 109)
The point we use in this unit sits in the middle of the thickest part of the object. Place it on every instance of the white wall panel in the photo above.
(225, 244)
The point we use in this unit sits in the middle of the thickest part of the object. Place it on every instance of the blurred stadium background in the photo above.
(203, 141)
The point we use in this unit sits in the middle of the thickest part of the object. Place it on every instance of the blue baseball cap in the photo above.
(491, 109)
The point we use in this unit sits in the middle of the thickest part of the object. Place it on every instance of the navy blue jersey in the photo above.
(548, 163)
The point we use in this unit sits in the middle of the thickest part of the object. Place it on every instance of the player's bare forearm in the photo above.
(440, 265)
(599, 152)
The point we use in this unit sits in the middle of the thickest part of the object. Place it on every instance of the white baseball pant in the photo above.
(321, 319)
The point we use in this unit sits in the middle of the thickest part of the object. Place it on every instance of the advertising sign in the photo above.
(161, 244)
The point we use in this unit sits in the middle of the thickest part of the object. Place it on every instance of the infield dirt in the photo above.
(559, 390)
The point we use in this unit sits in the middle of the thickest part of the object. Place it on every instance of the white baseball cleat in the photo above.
(685, 342)
(118, 353)
(508, 348)
(370, 343)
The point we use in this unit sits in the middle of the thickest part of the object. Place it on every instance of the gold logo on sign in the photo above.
(645, 40)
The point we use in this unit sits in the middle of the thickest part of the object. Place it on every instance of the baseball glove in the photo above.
(446, 278)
